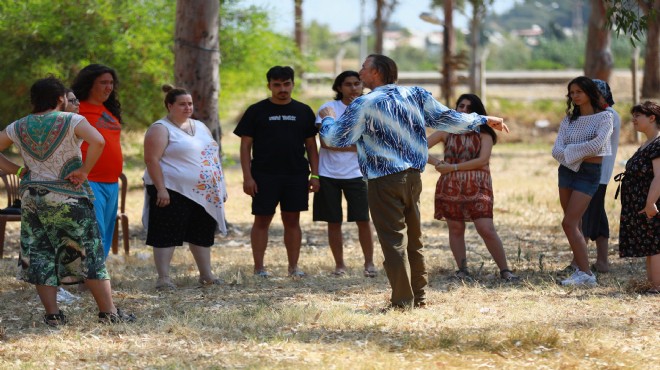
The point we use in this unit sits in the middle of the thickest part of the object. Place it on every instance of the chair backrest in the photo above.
(10, 182)
(123, 190)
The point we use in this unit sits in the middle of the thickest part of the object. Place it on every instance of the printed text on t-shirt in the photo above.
(282, 118)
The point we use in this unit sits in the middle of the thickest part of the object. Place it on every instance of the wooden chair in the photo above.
(13, 210)
(122, 218)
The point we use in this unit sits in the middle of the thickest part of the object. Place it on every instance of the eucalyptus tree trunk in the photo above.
(651, 80)
(598, 60)
(379, 26)
(298, 27)
(448, 65)
(197, 58)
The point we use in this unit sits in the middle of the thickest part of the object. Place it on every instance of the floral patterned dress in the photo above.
(464, 195)
(639, 236)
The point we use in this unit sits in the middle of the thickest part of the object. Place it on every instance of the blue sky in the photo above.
(344, 15)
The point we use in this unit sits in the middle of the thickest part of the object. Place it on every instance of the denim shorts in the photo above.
(586, 180)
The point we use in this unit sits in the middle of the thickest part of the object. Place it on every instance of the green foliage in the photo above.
(558, 54)
(248, 50)
(320, 41)
(512, 53)
(135, 37)
(412, 59)
(43, 37)
(626, 18)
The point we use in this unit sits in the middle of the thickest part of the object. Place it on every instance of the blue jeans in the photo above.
(105, 207)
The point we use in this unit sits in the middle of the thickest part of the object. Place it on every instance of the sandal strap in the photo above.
(55, 319)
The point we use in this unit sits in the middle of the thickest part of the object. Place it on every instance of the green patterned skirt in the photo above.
(60, 241)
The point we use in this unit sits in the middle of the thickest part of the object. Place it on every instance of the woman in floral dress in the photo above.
(639, 233)
(464, 192)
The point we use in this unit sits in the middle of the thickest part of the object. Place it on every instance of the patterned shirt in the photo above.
(587, 136)
(388, 127)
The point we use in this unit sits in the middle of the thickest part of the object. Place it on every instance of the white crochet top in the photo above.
(587, 136)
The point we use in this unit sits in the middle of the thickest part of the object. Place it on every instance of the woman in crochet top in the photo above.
(582, 141)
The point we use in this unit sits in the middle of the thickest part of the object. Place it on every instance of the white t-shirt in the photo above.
(334, 164)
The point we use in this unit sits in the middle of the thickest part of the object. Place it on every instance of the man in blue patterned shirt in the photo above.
(388, 126)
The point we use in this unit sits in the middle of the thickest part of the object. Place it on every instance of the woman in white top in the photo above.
(582, 141)
(185, 189)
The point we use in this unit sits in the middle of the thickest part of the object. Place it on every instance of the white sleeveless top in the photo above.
(191, 167)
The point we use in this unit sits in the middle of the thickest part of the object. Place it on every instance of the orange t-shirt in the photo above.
(110, 164)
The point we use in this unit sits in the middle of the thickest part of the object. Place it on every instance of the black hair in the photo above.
(590, 89)
(339, 80)
(84, 81)
(648, 108)
(171, 93)
(45, 94)
(477, 106)
(386, 67)
(280, 73)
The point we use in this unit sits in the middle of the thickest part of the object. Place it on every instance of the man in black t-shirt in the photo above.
(275, 134)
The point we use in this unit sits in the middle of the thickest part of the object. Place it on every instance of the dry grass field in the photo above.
(322, 321)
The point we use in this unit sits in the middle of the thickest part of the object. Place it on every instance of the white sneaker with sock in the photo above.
(580, 278)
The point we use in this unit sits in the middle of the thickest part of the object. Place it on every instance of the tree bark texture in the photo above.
(379, 26)
(197, 58)
(651, 80)
(448, 41)
(598, 60)
(298, 30)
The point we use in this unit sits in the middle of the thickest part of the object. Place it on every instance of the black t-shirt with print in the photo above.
(278, 133)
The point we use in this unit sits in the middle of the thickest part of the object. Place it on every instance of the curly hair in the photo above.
(590, 89)
(45, 94)
(84, 81)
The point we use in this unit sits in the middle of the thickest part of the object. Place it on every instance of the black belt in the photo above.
(618, 178)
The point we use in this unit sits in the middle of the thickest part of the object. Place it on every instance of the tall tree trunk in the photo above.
(197, 58)
(448, 67)
(379, 26)
(475, 30)
(299, 24)
(651, 80)
(598, 61)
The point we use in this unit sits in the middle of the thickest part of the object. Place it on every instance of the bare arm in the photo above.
(5, 164)
(155, 142)
(313, 156)
(249, 185)
(651, 209)
(96, 143)
(472, 164)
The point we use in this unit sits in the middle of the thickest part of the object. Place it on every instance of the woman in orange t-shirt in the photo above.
(95, 87)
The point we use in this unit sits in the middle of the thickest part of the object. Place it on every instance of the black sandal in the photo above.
(55, 319)
(511, 278)
(463, 274)
(115, 318)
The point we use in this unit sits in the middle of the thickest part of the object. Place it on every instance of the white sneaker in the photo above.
(63, 296)
(580, 278)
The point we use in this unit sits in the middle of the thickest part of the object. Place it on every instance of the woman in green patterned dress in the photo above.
(60, 241)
